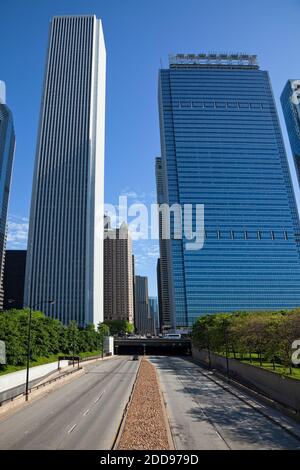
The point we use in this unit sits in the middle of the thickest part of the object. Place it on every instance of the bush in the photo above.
(48, 336)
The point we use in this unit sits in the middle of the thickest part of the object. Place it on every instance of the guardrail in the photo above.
(41, 385)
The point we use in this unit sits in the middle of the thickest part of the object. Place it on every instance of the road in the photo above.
(83, 414)
(203, 415)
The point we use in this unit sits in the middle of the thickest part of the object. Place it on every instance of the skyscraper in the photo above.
(14, 278)
(144, 321)
(65, 250)
(222, 146)
(290, 101)
(7, 150)
(163, 274)
(118, 278)
(154, 312)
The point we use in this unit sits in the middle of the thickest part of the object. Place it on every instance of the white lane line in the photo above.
(86, 412)
(72, 429)
(99, 398)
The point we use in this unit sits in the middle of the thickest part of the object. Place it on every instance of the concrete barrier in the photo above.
(284, 390)
(12, 384)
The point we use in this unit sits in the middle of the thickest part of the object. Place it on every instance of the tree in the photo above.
(119, 326)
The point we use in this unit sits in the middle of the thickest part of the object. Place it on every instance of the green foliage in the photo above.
(119, 326)
(48, 337)
(265, 334)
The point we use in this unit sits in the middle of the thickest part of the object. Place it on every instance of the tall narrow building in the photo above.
(221, 146)
(154, 312)
(145, 323)
(290, 102)
(7, 150)
(163, 274)
(118, 277)
(65, 248)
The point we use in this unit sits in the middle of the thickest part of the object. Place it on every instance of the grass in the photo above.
(279, 368)
(44, 360)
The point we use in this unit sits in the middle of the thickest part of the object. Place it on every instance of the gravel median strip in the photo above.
(145, 425)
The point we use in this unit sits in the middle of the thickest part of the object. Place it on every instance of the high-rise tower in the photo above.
(65, 249)
(221, 146)
(7, 150)
(118, 277)
(163, 281)
(290, 102)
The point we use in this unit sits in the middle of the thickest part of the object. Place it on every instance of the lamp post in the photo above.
(31, 307)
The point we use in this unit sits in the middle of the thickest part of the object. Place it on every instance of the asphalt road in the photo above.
(83, 414)
(203, 415)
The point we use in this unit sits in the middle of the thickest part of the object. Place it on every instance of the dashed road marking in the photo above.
(72, 429)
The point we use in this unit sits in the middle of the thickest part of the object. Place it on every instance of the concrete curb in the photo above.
(165, 413)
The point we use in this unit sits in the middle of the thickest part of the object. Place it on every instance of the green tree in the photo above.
(119, 326)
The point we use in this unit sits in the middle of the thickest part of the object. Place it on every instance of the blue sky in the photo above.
(139, 34)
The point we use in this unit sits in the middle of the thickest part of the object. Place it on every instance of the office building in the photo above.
(65, 247)
(118, 278)
(14, 278)
(290, 102)
(7, 150)
(144, 321)
(164, 281)
(133, 287)
(158, 280)
(154, 312)
(221, 146)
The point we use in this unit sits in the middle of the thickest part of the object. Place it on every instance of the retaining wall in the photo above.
(282, 389)
(14, 383)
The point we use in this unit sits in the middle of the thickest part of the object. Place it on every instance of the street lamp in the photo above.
(31, 307)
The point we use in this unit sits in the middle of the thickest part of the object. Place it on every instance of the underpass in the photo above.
(153, 346)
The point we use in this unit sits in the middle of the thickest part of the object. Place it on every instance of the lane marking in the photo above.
(96, 401)
(86, 412)
(72, 428)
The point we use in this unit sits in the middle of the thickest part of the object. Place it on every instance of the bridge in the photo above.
(153, 346)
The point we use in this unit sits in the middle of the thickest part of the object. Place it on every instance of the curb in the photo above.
(165, 414)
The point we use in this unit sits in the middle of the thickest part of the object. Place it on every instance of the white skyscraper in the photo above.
(65, 248)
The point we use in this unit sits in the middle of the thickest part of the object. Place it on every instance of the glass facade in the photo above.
(222, 146)
(154, 311)
(7, 149)
(290, 102)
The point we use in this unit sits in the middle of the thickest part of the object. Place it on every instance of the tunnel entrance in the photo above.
(153, 347)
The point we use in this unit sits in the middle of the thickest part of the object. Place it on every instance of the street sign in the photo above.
(2, 353)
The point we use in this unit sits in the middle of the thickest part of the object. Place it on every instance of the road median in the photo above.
(146, 426)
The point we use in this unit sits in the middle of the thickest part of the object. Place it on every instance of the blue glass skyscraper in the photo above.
(222, 146)
(290, 102)
(7, 149)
